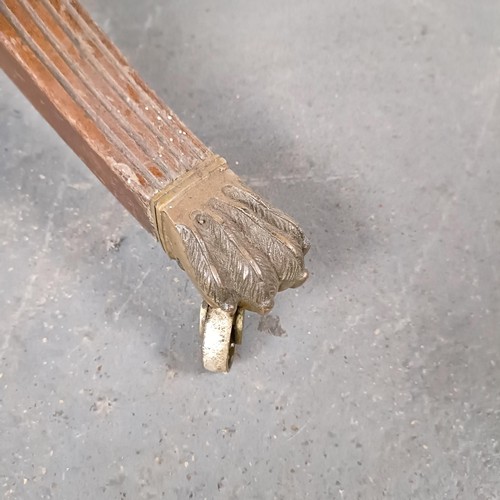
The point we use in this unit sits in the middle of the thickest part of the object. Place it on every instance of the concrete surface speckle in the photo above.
(376, 125)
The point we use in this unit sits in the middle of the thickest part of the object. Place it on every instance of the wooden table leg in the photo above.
(238, 250)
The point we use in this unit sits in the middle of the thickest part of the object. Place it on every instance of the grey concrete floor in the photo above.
(376, 125)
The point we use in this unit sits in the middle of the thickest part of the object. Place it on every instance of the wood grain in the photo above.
(84, 87)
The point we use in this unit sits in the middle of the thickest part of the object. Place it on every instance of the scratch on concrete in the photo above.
(298, 179)
(30, 286)
(118, 313)
(469, 164)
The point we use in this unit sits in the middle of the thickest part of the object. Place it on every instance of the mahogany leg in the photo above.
(238, 249)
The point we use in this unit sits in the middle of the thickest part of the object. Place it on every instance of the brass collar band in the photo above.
(175, 204)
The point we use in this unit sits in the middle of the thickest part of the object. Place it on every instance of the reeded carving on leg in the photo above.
(237, 249)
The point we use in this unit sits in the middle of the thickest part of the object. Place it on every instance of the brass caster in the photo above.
(220, 332)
